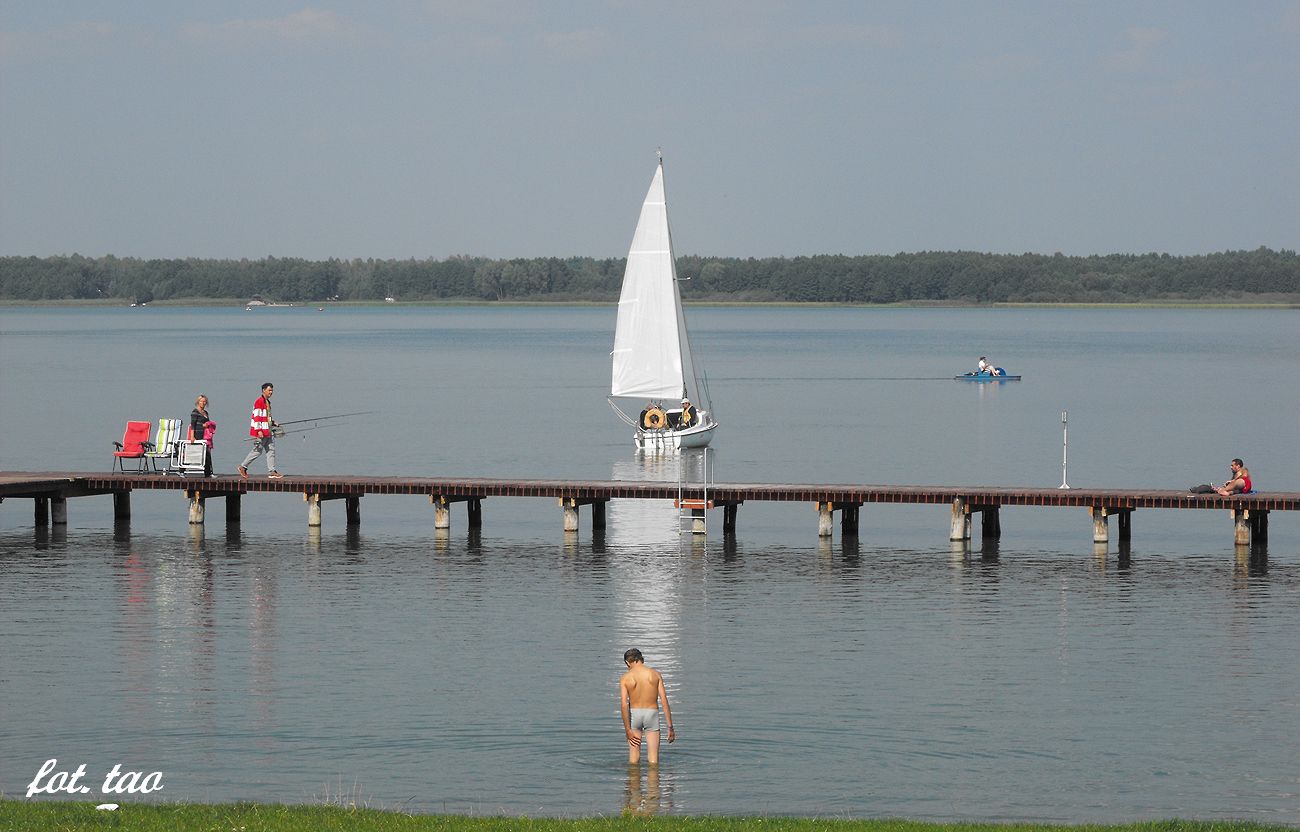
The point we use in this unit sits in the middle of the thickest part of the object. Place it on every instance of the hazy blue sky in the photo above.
(163, 128)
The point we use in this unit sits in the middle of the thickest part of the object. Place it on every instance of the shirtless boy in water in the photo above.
(639, 693)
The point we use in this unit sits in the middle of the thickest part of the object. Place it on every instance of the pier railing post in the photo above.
(960, 529)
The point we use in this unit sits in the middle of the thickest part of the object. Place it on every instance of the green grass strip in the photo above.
(253, 817)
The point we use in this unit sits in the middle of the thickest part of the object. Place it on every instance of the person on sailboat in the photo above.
(688, 413)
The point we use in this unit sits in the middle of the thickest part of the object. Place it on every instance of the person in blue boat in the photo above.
(985, 368)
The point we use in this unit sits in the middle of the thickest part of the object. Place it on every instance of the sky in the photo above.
(505, 128)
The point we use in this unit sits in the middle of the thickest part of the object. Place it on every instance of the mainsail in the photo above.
(652, 351)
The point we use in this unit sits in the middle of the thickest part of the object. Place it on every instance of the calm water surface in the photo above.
(891, 675)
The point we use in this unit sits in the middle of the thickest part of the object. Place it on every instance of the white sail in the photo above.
(652, 351)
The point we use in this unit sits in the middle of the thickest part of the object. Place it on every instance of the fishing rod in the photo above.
(323, 418)
(277, 433)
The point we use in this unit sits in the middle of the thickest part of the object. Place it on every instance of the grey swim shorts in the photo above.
(645, 719)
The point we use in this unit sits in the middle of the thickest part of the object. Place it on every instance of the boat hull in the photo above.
(674, 440)
(986, 377)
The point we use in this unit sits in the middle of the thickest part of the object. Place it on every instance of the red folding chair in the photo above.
(134, 445)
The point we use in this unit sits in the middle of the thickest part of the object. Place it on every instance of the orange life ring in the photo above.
(654, 418)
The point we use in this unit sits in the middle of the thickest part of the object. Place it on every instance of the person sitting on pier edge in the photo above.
(1238, 483)
(688, 413)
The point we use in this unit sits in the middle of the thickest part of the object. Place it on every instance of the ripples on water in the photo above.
(889, 676)
(478, 674)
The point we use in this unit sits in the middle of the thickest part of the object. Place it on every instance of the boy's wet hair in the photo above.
(633, 655)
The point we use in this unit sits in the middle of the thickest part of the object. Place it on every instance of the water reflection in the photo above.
(647, 795)
(647, 562)
(1252, 561)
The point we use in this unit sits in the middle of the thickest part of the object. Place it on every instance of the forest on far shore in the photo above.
(923, 277)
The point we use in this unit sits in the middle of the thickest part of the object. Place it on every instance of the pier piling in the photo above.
(825, 519)
(1250, 526)
(960, 528)
(1100, 524)
(121, 507)
(729, 518)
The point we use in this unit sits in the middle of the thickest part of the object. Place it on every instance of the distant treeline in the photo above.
(924, 277)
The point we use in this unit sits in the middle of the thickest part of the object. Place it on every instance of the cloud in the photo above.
(309, 26)
(77, 36)
(510, 14)
(576, 45)
(1006, 65)
(841, 34)
(1139, 46)
(1291, 18)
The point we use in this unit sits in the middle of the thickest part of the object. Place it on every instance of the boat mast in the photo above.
(690, 377)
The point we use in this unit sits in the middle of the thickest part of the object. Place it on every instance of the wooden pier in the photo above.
(50, 491)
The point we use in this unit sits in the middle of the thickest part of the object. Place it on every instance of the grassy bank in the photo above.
(248, 817)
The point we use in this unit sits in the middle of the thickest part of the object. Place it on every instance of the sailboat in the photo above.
(653, 367)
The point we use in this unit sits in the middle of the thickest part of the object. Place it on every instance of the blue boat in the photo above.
(997, 374)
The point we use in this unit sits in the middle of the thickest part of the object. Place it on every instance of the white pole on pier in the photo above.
(1065, 448)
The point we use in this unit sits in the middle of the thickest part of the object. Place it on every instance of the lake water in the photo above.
(893, 675)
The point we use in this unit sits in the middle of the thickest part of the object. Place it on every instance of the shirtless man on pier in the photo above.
(639, 693)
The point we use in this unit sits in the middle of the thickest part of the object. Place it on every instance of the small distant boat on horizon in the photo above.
(653, 367)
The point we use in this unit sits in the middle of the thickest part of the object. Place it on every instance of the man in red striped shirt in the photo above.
(262, 428)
